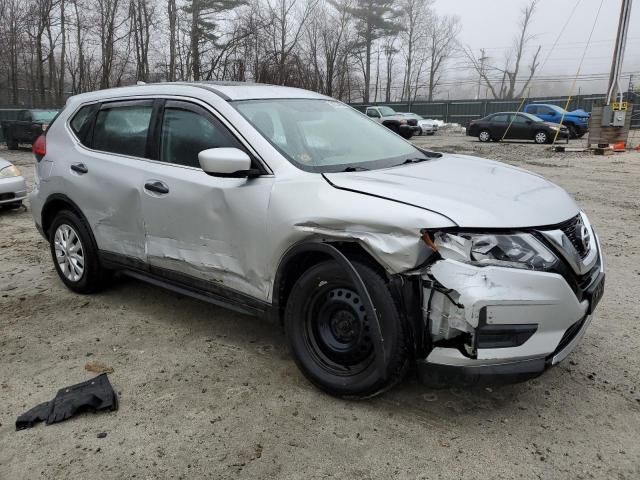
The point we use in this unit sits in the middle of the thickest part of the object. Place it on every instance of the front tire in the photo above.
(74, 254)
(330, 336)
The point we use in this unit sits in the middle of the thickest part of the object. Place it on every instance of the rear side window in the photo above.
(533, 110)
(186, 131)
(518, 119)
(123, 128)
(500, 119)
(80, 119)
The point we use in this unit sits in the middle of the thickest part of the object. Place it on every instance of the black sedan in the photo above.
(516, 126)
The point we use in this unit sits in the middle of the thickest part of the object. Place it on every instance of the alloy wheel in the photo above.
(69, 252)
(541, 137)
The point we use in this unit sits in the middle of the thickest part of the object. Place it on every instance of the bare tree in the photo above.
(508, 74)
(441, 42)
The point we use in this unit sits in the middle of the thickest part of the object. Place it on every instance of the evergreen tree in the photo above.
(374, 19)
(204, 25)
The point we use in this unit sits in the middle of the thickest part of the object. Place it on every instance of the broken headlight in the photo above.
(518, 250)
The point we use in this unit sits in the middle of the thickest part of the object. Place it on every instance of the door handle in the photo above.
(80, 168)
(157, 187)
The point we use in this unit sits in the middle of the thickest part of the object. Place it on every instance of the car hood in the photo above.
(579, 113)
(472, 192)
(394, 117)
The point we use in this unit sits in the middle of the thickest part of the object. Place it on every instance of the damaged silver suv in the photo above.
(374, 254)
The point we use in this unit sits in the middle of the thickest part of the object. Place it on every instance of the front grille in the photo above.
(7, 196)
(572, 229)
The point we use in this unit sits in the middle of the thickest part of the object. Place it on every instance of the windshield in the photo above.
(326, 135)
(387, 111)
(43, 115)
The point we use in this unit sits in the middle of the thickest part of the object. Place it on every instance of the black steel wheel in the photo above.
(337, 330)
(332, 338)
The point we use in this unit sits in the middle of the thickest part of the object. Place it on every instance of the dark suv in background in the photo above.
(29, 125)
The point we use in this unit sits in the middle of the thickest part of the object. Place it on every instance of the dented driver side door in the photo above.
(199, 228)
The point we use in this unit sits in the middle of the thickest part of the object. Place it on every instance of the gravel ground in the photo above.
(209, 393)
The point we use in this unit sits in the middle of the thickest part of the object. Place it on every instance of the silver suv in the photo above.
(374, 254)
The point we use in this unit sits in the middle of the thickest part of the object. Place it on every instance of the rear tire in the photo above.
(74, 254)
(484, 136)
(330, 337)
(573, 133)
(541, 137)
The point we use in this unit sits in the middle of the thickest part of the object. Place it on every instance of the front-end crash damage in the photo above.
(497, 313)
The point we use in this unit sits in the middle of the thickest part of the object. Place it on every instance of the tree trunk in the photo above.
(63, 49)
(195, 40)
(171, 7)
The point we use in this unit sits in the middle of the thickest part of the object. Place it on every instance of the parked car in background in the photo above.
(576, 121)
(13, 189)
(517, 126)
(30, 125)
(427, 127)
(372, 253)
(394, 121)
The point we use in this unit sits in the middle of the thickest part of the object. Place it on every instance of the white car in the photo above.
(372, 253)
(427, 127)
(13, 189)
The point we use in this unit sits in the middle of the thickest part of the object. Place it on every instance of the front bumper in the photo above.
(12, 190)
(445, 366)
(516, 323)
(410, 129)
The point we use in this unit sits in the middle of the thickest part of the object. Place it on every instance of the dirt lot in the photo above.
(209, 393)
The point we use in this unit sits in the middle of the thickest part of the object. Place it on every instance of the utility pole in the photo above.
(483, 58)
(614, 93)
(614, 113)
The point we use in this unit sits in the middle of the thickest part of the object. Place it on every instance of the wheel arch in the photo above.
(56, 203)
(304, 255)
(315, 251)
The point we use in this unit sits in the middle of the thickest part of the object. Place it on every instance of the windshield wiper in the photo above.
(355, 169)
(412, 160)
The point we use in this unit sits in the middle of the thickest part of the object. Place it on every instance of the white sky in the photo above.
(492, 24)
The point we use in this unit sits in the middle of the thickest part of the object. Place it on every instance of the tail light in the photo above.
(45, 126)
(39, 148)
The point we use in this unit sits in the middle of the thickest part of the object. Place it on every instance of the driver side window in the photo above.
(186, 132)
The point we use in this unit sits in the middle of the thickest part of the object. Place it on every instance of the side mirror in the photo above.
(226, 162)
(529, 122)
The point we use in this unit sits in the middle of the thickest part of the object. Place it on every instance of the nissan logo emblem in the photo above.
(584, 237)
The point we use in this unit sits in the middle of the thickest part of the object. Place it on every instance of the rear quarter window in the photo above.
(80, 118)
